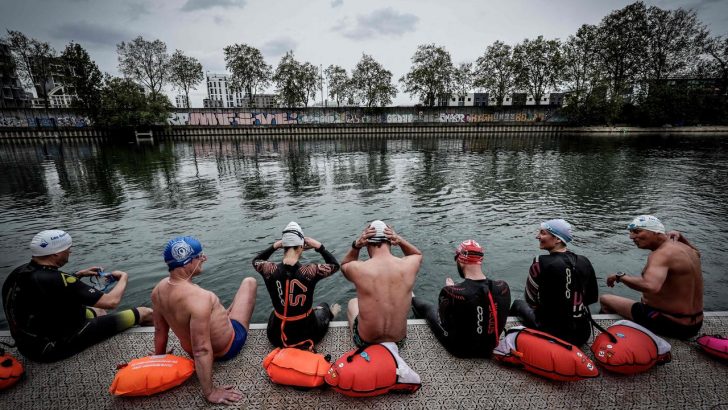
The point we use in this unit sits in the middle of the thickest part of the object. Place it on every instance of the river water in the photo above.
(122, 202)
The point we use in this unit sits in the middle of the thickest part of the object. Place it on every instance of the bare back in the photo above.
(682, 289)
(384, 291)
(179, 302)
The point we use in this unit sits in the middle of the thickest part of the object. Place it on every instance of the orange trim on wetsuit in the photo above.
(285, 319)
(292, 318)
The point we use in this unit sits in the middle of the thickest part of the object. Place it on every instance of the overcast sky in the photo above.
(322, 32)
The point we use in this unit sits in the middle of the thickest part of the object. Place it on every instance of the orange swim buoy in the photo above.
(152, 374)
(11, 370)
(545, 355)
(628, 348)
(296, 367)
(372, 371)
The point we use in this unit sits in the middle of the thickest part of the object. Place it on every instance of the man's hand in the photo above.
(674, 236)
(611, 280)
(449, 282)
(361, 241)
(392, 236)
(278, 244)
(118, 274)
(92, 271)
(226, 395)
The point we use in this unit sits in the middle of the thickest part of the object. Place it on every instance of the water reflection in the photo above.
(122, 202)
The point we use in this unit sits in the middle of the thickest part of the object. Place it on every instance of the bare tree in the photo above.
(675, 40)
(185, 73)
(146, 62)
(249, 70)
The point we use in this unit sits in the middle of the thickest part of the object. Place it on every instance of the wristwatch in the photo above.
(353, 245)
(620, 275)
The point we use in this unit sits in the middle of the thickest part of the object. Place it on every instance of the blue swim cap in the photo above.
(558, 228)
(181, 250)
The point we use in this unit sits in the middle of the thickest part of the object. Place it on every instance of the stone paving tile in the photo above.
(691, 381)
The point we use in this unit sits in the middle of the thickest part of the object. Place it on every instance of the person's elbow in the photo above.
(108, 301)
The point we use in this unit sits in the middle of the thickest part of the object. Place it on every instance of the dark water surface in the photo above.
(121, 203)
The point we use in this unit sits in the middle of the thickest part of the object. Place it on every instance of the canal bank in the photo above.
(692, 380)
(357, 130)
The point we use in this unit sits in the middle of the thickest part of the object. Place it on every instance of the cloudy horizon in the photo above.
(322, 32)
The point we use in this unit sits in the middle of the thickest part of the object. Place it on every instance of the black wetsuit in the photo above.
(468, 324)
(303, 324)
(48, 317)
(559, 289)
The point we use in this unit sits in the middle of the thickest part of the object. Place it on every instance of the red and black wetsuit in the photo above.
(560, 286)
(471, 316)
(295, 285)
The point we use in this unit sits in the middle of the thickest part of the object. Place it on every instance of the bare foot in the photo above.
(335, 309)
(145, 316)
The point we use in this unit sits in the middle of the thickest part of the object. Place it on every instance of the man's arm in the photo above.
(652, 278)
(203, 354)
(112, 299)
(411, 253)
(161, 332)
(260, 262)
(532, 285)
(353, 254)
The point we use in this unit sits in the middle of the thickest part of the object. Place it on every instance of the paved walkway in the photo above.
(691, 381)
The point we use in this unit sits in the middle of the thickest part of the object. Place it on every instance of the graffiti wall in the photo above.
(43, 119)
(234, 118)
(247, 117)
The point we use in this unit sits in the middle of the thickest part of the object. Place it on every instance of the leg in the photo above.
(617, 304)
(352, 312)
(430, 313)
(244, 302)
(95, 331)
(323, 316)
(521, 309)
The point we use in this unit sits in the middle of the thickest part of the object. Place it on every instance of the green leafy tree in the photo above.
(372, 83)
(83, 76)
(287, 80)
(310, 80)
(431, 74)
(249, 70)
(622, 39)
(36, 62)
(146, 62)
(716, 65)
(494, 71)
(339, 83)
(537, 66)
(463, 78)
(185, 73)
(126, 105)
(675, 41)
(581, 76)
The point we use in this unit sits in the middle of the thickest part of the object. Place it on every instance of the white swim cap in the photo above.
(50, 242)
(379, 235)
(648, 223)
(292, 235)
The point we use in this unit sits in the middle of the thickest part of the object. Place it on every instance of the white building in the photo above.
(465, 100)
(180, 101)
(221, 94)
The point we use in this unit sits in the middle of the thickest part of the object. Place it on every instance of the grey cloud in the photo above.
(379, 22)
(278, 46)
(83, 32)
(337, 3)
(136, 9)
(193, 5)
(220, 20)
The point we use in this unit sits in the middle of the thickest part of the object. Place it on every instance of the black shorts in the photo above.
(657, 322)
